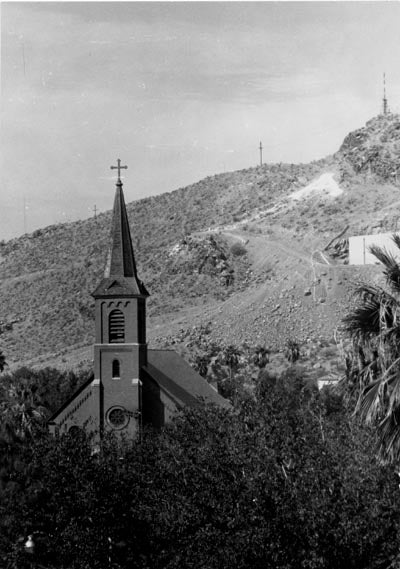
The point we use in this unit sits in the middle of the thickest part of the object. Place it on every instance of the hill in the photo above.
(248, 252)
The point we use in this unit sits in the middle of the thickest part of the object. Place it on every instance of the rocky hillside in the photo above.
(375, 148)
(251, 252)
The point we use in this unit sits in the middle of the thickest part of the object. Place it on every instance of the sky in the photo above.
(178, 91)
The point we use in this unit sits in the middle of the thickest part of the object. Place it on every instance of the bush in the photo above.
(283, 482)
(238, 249)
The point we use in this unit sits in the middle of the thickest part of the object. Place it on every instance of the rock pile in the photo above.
(195, 255)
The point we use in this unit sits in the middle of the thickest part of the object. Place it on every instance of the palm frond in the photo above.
(396, 240)
(383, 392)
(389, 312)
(392, 267)
(383, 255)
(364, 290)
(393, 393)
(376, 312)
(389, 437)
(369, 404)
(364, 321)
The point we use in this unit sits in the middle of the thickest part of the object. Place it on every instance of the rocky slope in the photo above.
(252, 252)
(375, 148)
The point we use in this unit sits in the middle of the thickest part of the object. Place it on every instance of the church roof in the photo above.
(175, 376)
(120, 275)
(70, 400)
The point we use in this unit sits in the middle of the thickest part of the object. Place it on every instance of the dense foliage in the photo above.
(373, 378)
(234, 370)
(3, 362)
(27, 399)
(286, 481)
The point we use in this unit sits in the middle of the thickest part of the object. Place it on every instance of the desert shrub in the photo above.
(238, 249)
(253, 228)
(292, 350)
(329, 352)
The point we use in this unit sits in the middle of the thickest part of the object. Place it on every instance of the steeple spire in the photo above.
(120, 270)
(122, 259)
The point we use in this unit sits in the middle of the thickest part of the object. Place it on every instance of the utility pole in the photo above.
(23, 58)
(24, 215)
(261, 149)
(95, 211)
(385, 107)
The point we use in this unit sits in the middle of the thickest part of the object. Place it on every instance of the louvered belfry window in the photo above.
(116, 327)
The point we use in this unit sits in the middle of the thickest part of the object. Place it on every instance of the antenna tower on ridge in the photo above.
(385, 107)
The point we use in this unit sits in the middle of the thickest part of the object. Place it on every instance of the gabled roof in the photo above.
(175, 376)
(120, 275)
(69, 401)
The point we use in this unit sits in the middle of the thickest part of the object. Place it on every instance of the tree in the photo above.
(281, 482)
(260, 356)
(373, 366)
(27, 398)
(223, 369)
(201, 363)
(23, 408)
(3, 362)
(292, 350)
(22, 419)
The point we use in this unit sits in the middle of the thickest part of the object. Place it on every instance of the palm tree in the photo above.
(22, 418)
(201, 363)
(230, 357)
(10, 447)
(25, 408)
(292, 350)
(373, 367)
(260, 356)
(22, 413)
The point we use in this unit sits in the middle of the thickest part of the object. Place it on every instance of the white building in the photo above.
(359, 248)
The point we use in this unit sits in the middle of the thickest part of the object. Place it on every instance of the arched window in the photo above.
(116, 327)
(76, 432)
(116, 373)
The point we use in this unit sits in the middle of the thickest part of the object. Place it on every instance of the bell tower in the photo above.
(120, 349)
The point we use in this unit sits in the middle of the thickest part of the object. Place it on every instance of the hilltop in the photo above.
(248, 253)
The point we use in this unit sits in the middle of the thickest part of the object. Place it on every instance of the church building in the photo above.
(133, 385)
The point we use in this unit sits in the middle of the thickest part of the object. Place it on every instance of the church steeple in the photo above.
(122, 260)
(120, 350)
(121, 266)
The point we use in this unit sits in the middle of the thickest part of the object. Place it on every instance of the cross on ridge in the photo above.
(119, 168)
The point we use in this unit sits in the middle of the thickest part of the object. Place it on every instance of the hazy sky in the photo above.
(178, 91)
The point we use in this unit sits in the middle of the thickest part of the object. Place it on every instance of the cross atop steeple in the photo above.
(119, 168)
